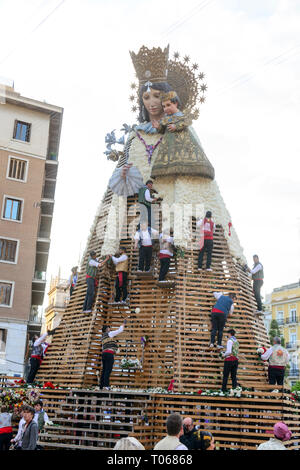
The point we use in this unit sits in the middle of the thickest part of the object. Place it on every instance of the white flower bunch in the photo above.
(130, 363)
(235, 392)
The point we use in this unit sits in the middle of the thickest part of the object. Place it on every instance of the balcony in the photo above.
(294, 372)
(52, 156)
(292, 345)
(40, 276)
(49, 189)
(280, 322)
(35, 316)
(291, 320)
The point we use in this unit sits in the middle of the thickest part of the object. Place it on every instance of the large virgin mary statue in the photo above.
(183, 177)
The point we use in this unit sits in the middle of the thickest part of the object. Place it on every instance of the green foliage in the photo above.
(275, 331)
(296, 387)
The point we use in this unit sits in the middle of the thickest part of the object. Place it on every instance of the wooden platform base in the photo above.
(95, 420)
(166, 284)
(143, 273)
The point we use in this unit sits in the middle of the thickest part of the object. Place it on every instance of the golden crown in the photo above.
(151, 64)
(169, 96)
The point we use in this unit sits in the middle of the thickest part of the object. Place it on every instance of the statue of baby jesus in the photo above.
(179, 149)
(174, 119)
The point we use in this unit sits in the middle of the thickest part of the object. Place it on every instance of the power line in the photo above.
(35, 28)
(203, 4)
(272, 61)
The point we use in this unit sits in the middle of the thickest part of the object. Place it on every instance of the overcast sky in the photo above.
(75, 54)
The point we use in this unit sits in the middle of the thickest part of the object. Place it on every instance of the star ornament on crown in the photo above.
(154, 66)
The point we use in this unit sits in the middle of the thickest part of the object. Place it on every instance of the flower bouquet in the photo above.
(130, 363)
(33, 395)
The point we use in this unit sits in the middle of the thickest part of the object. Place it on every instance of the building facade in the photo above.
(29, 143)
(58, 297)
(285, 307)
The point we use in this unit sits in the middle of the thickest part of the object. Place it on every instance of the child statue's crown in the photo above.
(171, 95)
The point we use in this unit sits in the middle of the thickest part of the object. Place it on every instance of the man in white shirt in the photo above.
(109, 349)
(166, 242)
(278, 358)
(41, 418)
(175, 431)
(143, 240)
(121, 264)
(37, 353)
(146, 201)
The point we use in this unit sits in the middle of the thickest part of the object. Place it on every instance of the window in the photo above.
(3, 335)
(22, 131)
(12, 209)
(293, 315)
(279, 316)
(6, 291)
(17, 169)
(8, 250)
(293, 338)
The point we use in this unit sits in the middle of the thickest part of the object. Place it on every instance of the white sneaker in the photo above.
(220, 347)
(211, 345)
(208, 269)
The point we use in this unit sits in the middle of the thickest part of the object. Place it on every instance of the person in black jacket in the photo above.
(190, 438)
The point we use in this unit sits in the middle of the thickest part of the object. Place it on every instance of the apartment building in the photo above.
(29, 143)
(285, 307)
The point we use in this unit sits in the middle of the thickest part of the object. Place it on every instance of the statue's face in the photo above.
(152, 103)
(169, 107)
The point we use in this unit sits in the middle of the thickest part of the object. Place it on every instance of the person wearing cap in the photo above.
(109, 349)
(221, 310)
(281, 434)
(257, 275)
(92, 267)
(207, 226)
(278, 358)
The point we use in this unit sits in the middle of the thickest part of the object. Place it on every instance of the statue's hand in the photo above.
(171, 127)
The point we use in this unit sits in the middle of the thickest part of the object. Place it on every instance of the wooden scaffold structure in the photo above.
(174, 317)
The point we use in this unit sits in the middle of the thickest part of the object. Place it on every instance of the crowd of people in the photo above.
(184, 435)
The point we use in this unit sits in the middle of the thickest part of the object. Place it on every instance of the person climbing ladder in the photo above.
(207, 228)
(222, 309)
